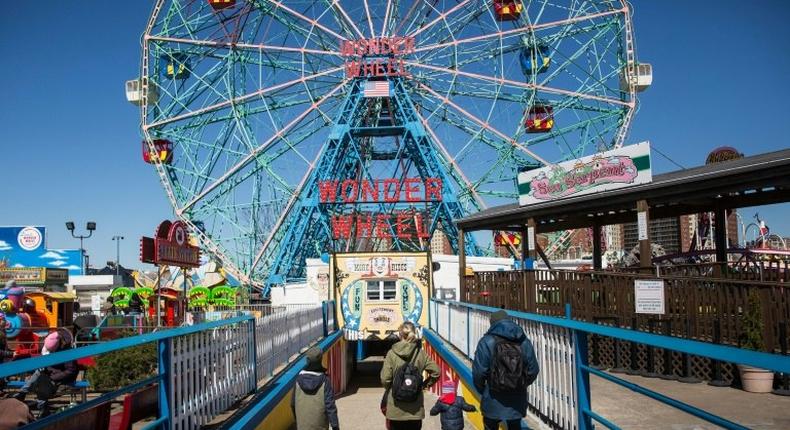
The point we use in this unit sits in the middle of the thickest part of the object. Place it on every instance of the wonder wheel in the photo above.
(285, 129)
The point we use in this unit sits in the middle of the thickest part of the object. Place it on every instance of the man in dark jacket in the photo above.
(313, 401)
(509, 407)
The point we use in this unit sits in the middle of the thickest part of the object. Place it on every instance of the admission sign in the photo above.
(617, 168)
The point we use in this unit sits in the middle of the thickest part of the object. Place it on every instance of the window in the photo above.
(381, 290)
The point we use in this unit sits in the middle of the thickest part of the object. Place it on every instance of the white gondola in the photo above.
(134, 93)
(642, 80)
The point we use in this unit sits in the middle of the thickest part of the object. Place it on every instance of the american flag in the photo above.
(377, 89)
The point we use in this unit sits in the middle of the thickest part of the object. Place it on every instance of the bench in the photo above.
(141, 404)
(81, 386)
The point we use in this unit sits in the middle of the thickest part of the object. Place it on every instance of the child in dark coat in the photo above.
(451, 407)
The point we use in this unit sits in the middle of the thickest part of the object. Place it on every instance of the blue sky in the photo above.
(71, 145)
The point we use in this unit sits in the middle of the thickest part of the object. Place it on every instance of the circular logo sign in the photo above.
(181, 235)
(29, 238)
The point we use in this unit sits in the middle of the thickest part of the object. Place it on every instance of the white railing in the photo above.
(553, 394)
(283, 331)
(210, 371)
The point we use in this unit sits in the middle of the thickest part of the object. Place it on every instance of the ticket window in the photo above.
(381, 290)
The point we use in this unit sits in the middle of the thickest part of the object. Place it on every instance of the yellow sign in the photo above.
(376, 292)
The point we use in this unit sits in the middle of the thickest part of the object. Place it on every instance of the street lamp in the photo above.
(117, 240)
(91, 227)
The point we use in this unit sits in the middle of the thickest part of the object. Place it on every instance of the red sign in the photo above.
(170, 246)
(723, 153)
(392, 190)
(402, 224)
(377, 56)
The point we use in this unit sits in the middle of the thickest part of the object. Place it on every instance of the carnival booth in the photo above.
(376, 292)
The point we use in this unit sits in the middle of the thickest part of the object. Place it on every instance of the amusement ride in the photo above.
(283, 130)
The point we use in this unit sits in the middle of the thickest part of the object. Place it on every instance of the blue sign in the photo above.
(26, 246)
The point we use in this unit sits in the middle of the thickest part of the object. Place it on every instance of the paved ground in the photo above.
(358, 408)
(635, 411)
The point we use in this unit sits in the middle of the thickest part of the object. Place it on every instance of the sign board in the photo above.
(376, 292)
(610, 170)
(26, 247)
(641, 222)
(170, 246)
(34, 275)
(531, 236)
(649, 296)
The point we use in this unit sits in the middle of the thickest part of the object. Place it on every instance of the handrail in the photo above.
(280, 386)
(762, 360)
(578, 370)
(31, 364)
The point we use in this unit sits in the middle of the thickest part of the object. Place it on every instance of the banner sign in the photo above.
(170, 246)
(610, 170)
(26, 247)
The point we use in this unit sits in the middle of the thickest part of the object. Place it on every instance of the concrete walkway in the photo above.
(359, 407)
(631, 410)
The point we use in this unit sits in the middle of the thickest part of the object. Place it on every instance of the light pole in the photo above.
(117, 240)
(91, 227)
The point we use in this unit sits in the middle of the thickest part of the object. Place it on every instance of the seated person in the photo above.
(61, 373)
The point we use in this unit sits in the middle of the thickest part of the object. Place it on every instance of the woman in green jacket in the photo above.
(401, 414)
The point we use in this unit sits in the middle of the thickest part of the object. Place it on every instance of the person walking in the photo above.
(407, 371)
(313, 401)
(450, 407)
(504, 366)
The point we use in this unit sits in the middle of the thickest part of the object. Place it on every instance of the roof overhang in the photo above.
(750, 181)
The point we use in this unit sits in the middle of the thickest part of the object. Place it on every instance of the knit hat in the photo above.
(448, 392)
(498, 316)
(52, 341)
(314, 357)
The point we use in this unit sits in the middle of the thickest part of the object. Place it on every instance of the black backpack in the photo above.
(507, 374)
(407, 382)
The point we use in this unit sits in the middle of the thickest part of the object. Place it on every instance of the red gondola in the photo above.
(507, 10)
(540, 119)
(163, 154)
(221, 4)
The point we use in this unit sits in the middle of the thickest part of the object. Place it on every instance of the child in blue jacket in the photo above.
(451, 407)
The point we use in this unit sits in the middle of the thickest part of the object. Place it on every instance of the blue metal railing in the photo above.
(581, 369)
(162, 338)
(168, 349)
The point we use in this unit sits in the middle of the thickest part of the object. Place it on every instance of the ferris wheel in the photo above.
(250, 108)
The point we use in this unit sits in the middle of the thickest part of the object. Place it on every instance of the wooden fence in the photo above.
(701, 308)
